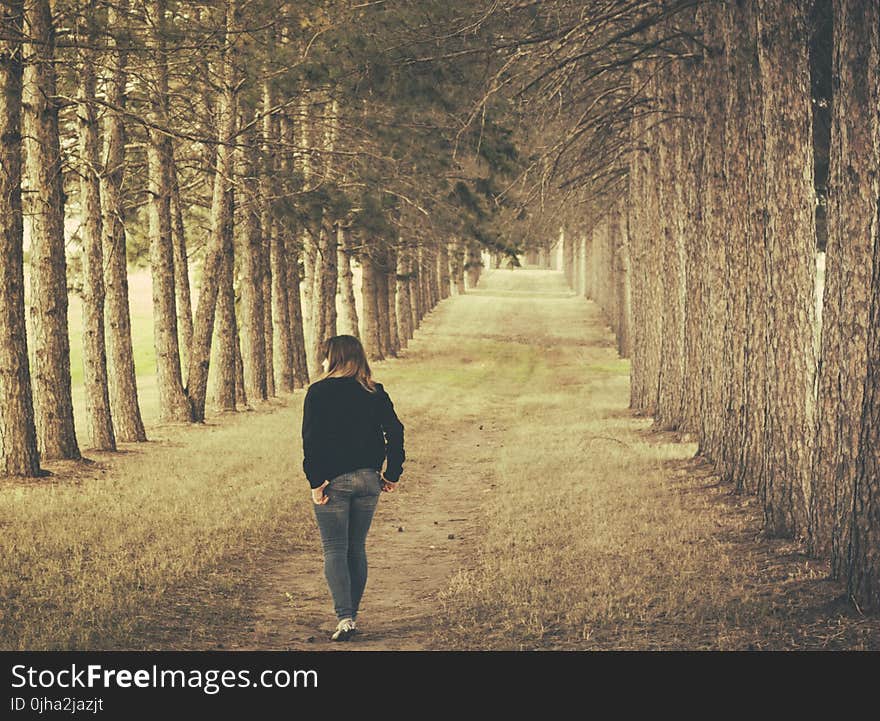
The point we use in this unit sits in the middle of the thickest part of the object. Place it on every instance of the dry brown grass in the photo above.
(594, 531)
(604, 534)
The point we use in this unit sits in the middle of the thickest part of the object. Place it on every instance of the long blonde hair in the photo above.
(346, 359)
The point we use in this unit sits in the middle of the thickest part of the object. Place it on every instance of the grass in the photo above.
(604, 534)
(92, 558)
(595, 532)
(141, 329)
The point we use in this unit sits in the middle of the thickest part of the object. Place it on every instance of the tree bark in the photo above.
(292, 251)
(712, 252)
(18, 434)
(249, 232)
(404, 305)
(280, 286)
(391, 283)
(646, 296)
(370, 290)
(349, 316)
(739, 239)
(862, 562)
(267, 229)
(183, 296)
(268, 327)
(326, 270)
(380, 279)
(670, 155)
(94, 345)
(56, 434)
(226, 394)
(124, 405)
(215, 277)
(623, 307)
(422, 279)
(457, 266)
(324, 298)
(474, 264)
(443, 270)
(297, 332)
(173, 403)
(790, 256)
(847, 379)
(758, 297)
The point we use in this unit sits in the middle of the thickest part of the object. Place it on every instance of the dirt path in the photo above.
(411, 558)
(426, 531)
(536, 511)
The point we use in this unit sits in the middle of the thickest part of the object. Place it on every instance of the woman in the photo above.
(349, 427)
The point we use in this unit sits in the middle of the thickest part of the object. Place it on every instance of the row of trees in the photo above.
(260, 146)
(706, 266)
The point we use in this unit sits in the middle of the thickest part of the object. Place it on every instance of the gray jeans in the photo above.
(344, 522)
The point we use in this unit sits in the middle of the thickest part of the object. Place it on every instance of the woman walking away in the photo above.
(349, 427)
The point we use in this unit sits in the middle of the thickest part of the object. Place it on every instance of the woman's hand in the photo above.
(319, 498)
(387, 485)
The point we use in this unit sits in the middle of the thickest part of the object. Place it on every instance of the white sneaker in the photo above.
(344, 629)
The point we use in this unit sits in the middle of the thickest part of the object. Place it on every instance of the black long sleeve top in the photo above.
(346, 427)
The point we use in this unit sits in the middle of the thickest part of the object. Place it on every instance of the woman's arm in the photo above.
(393, 430)
(312, 451)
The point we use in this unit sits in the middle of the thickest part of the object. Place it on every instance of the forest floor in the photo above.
(535, 512)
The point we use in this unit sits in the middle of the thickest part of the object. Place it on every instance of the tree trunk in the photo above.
(404, 305)
(94, 347)
(268, 327)
(623, 309)
(309, 231)
(443, 270)
(326, 287)
(248, 230)
(349, 316)
(370, 290)
(124, 406)
(18, 435)
(414, 286)
(267, 227)
(297, 333)
(391, 282)
(291, 249)
(670, 154)
(474, 264)
(567, 256)
(327, 271)
(280, 284)
(380, 279)
(241, 397)
(862, 561)
(56, 434)
(645, 339)
(790, 255)
(589, 270)
(712, 253)
(738, 172)
(843, 525)
(758, 297)
(183, 296)
(225, 398)
(457, 266)
(215, 277)
(173, 403)
(424, 295)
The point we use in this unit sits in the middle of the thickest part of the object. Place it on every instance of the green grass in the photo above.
(141, 329)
